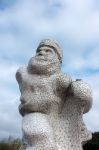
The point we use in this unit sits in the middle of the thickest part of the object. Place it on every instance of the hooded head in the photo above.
(47, 59)
(52, 44)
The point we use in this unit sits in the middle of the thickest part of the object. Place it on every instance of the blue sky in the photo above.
(23, 24)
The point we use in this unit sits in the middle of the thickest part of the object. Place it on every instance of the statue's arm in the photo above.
(81, 91)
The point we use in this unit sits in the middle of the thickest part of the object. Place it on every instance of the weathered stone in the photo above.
(52, 105)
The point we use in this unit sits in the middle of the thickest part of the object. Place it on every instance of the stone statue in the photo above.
(52, 105)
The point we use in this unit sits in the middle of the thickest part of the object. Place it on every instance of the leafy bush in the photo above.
(94, 143)
(15, 144)
(10, 146)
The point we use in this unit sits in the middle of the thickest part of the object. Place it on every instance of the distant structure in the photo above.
(52, 105)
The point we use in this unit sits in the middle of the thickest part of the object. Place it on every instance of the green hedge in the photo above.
(91, 145)
(11, 146)
(94, 143)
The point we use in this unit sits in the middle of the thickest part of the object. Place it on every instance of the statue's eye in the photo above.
(39, 50)
(47, 50)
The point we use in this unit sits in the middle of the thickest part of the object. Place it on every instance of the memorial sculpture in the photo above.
(52, 105)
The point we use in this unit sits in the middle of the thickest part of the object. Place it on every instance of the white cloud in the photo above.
(92, 60)
(10, 119)
(82, 61)
(93, 116)
(74, 23)
(91, 120)
(71, 19)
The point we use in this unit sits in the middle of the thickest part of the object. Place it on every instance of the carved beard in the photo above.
(43, 65)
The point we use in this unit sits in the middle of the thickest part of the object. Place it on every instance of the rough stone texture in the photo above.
(52, 105)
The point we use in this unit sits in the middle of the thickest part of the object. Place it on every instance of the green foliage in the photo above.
(94, 143)
(14, 145)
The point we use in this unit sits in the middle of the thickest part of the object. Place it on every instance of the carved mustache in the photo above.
(41, 57)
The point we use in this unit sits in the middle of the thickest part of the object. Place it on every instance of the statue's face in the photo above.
(45, 60)
(46, 53)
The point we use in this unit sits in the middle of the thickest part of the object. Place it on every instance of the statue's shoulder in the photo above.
(62, 75)
(65, 77)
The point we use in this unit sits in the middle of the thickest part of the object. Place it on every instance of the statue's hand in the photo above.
(81, 91)
(19, 76)
(63, 81)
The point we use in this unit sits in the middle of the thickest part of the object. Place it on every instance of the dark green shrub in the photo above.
(94, 143)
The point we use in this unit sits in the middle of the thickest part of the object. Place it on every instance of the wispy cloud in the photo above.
(23, 24)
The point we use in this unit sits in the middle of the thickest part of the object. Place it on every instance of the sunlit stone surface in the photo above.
(52, 105)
